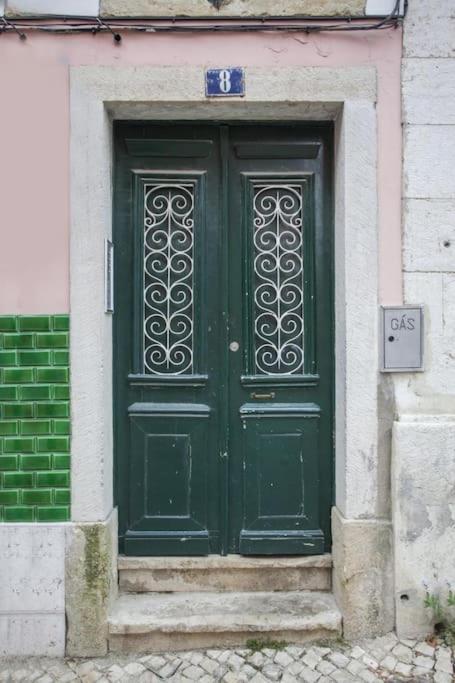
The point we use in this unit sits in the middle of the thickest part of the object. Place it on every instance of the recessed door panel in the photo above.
(280, 448)
(168, 491)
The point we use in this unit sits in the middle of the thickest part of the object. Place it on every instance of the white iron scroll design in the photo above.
(168, 278)
(278, 279)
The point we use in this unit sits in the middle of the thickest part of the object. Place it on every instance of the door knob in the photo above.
(234, 346)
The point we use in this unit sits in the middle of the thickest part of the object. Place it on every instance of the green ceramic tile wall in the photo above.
(34, 418)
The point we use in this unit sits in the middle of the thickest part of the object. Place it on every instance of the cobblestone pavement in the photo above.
(382, 659)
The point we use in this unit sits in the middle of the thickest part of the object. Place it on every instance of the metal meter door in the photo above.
(223, 339)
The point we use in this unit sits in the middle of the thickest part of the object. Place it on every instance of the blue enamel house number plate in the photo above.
(229, 82)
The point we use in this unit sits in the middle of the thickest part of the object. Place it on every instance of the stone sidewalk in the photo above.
(382, 659)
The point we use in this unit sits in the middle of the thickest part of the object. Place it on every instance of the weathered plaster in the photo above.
(423, 484)
(428, 89)
(428, 235)
(363, 575)
(34, 257)
(432, 391)
(69, 8)
(356, 258)
(231, 8)
(200, 8)
(422, 151)
(423, 499)
(382, 7)
(429, 29)
(91, 585)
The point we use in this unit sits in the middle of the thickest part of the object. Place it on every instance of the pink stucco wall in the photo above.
(34, 151)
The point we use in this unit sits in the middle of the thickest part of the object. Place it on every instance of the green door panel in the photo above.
(223, 345)
(280, 458)
(168, 468)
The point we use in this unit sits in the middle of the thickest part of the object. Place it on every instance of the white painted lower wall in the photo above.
(57, 582)
(32, 589)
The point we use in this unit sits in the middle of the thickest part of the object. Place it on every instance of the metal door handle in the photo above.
(263, 397)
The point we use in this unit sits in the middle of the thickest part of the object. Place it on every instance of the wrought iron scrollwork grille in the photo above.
(168, 278)
(278, 279)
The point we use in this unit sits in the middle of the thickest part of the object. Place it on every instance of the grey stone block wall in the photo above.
(423, 479)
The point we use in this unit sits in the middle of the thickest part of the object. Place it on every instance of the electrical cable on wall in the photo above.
(93, 25)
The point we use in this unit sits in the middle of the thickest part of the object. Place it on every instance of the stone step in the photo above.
(230, 573)
(157, 622)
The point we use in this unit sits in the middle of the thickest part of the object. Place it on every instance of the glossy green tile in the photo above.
(61, 427)
(18, 514)
(18, 341)
(61, 322)
(35, 392)
(62, 496)
(34, 358)
(55, 340)
(52, 479)
(36, 497)
(61, 358)
(35, 427)
(60, 461)
(8, 393)
(9, 428)
(61, 392)
(52, 375)
(8, 323)
(18, 375)
(19, 445)
(17, 410)
(35, 323)
(52, 410)
(11, 497)
(35, 462)
(15, 480)
(34, 418)
(52, 443)
(9, 462)
(8, 358)
(53, 514)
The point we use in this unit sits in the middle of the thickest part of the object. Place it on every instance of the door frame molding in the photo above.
(346, 95)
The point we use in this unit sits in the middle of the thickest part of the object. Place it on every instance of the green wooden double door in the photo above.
(223, 338)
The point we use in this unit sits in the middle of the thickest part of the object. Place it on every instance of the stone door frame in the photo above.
(345, 95)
